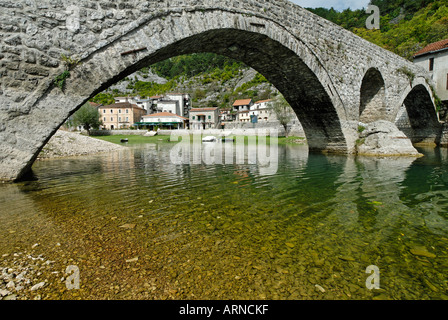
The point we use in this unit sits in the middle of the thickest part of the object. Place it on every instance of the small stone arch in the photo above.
(372, 97)
(422, 116)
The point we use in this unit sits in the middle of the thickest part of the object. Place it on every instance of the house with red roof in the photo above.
(434, 59)
(242, 108)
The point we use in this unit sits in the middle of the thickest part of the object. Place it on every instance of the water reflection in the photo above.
(233, 231)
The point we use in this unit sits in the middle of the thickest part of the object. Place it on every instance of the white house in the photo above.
(262, 110)
(184, 101)
(434, 58)
(171, 106)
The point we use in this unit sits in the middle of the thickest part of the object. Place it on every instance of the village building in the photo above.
(162, 120)
(171, 106)
(242, 108)
(121, 115)
(142, 103)
(226, 116)
(204, 118)
(177, 103)
(184, 101)
(263, 112)
(434, 58)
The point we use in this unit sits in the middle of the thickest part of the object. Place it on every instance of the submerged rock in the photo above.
(383, 138)
(37, 286)
(422, 251)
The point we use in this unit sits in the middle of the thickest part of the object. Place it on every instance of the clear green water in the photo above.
(229, 232)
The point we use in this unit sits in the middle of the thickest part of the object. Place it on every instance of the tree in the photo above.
(282, 110)
(88, 117)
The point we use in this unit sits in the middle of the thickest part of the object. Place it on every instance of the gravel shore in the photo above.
(65, 144)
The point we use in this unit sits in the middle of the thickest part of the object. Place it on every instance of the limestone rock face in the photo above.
(383, 138)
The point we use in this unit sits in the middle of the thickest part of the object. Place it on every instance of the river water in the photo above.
(137, 226)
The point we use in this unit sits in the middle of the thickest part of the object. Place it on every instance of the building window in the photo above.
(127, 119)
(111, 111)
(209, 117)
(104, 119)
(111, 119)
(104, 111)
(431, 64)
(119, 119)
(194, 118)
(127, 110)
(119, 110)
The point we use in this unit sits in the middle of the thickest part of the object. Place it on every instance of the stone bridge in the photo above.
(332, 78)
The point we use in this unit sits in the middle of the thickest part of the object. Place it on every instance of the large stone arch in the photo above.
(372, 105)
(316, 64)
(262, 44)
(418, 116)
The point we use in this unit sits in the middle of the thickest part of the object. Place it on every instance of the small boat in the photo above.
(209, 139)
(124, 140)
(228, 139)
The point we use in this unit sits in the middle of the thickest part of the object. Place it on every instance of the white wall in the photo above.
(180, 99)
(170, 106)
(440, 72)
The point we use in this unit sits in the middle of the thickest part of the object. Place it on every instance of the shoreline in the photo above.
(69, 144)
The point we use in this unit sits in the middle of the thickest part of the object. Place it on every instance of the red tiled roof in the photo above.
(261, 101)
(164, 114)
(243, 102)
(433, 47)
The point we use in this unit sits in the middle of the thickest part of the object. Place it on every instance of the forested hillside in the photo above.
(406, 25)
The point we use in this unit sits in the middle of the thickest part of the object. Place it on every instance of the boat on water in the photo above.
(209, 139)
(124, 140)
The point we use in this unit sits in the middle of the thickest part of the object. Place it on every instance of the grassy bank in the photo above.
(132, 140)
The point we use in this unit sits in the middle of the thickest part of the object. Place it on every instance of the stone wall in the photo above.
(294, 127)
(444, 137)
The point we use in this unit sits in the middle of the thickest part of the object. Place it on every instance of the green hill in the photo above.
(211, 80)
(406, 25)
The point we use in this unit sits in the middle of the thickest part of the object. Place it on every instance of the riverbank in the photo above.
(134, 139)
(67, 144)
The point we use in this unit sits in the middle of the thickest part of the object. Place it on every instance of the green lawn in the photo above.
(134, 139)
(166, 139)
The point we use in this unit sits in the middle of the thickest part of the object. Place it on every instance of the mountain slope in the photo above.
(210, 79)
(406, 25)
